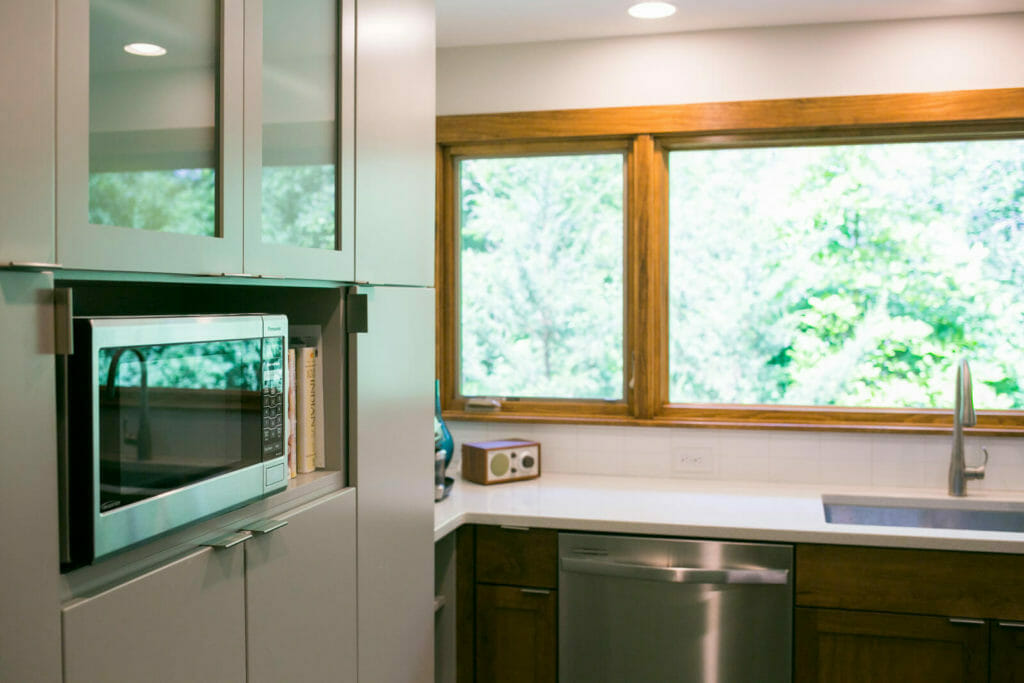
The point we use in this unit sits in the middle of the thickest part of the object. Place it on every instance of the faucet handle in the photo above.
(977, 472)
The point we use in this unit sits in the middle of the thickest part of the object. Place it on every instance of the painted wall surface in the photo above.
(795, 61)
(957, 53)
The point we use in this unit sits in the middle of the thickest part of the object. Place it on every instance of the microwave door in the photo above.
(176, 414)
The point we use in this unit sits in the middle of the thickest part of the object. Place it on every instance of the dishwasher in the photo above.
(638, 609)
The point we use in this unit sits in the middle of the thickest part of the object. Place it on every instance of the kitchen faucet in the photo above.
(963, 416)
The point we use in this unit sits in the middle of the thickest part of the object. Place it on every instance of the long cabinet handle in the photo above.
(534, 591)
(675, 574)
(961, 621)
(33, 266)
(228, 540)
(264, 526)
(1011, 624)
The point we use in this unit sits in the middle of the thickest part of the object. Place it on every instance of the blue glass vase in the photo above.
(442, 436)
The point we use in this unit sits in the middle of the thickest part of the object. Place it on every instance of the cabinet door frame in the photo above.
(281, 260)
(83, 245)
(810, 623)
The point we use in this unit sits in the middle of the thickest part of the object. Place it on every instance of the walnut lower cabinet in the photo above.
(516, 605)
(875, 615)
(278, 607)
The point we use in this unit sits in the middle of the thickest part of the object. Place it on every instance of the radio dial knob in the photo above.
(527, 461)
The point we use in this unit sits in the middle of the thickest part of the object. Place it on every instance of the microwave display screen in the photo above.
(171, 415)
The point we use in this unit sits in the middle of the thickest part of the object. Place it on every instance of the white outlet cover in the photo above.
(694, 460)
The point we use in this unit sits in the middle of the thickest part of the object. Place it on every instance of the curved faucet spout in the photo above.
(963, 416)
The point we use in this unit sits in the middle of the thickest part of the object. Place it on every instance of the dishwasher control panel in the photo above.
(494, 462)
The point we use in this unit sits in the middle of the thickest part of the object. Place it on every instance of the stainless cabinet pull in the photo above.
(1011, 624)
(439, 602)
(960, 621)
(31, 265)
(535, 591)
(691, 575)
(264, 526)
(509, 527)
(227, 540)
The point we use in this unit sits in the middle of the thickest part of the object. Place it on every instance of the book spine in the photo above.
(291, 414)
(318, 408)
(305, 370)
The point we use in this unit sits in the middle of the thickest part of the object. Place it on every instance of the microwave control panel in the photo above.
(274, 397)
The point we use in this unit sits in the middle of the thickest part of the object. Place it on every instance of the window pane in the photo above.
(300, 75)
(541, 276)
(153, 119)
(847, 275)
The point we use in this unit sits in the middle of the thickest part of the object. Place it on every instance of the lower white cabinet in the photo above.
(280, 606)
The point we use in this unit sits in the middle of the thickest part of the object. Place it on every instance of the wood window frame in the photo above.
(647, 134)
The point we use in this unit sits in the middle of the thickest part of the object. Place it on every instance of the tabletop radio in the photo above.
(493, 462)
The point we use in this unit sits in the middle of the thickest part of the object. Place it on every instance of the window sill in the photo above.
(1008, 424)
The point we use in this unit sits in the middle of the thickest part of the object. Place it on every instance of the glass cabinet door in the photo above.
(149, 135)
(298, 138)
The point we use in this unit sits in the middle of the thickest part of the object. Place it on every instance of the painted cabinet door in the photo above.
(845, 646)
(181, 623)
(299, 138)
(301, 595)
(29, 602)
(149, 136)
(26, 132)
(391, 463)
(395, 156)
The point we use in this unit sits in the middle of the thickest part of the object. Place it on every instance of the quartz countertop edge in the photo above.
(704, 509)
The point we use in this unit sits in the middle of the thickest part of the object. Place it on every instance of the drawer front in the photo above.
(959, 584)
(517, 557)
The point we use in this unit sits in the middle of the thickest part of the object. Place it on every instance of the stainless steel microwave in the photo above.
(165, 421)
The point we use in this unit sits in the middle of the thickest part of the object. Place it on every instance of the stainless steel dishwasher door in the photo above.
(651, 610)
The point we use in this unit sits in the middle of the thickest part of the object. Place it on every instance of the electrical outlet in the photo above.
(694, 460)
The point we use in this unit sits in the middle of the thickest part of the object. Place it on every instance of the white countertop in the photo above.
(705, 509)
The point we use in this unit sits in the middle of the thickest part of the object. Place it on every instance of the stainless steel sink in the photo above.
(934, 513)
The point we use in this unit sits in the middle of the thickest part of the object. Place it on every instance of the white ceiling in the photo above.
(487, 22)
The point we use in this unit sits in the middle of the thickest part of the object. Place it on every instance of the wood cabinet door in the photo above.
(1007, 652)
(300, 595)
(516, 634)
(845, 646)
(181, 623)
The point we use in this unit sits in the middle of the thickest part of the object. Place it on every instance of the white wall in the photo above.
(797, 61)
(957, 53)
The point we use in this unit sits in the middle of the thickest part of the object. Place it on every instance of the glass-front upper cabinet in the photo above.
(149, 140)
(299, 68)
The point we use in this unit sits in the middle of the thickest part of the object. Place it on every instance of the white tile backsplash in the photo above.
(829, 458)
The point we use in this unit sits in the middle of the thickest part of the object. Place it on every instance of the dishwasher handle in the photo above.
(689, 575)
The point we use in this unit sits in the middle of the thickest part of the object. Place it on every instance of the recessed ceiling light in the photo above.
(652, 10)
(145, 49)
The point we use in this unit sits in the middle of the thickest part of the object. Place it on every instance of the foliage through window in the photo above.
(541, 262)
(847, 275)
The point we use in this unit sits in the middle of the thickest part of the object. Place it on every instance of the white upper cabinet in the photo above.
(395, 155)
(219, 149)
(26, 132)
(299, 147)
